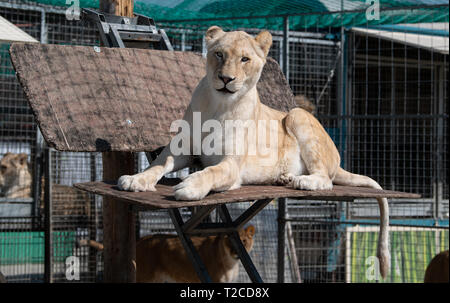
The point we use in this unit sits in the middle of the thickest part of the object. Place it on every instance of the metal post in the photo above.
(48, 226)
(346, 52)
(38, 164)
(44, 32)
(285, 54)
(93, 227)
(204, 49)
(440, 141)
(342, 90)
(392, 155)
(38, 156)
(293, 254)
(183, 41)
(281, 238)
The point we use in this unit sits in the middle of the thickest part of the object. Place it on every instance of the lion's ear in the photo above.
(22, 159)
(250, 231)
(213, 33)
(264, 40)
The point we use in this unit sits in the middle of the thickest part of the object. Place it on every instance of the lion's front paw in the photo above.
(136, 183)
(312, 182)
(194, 187)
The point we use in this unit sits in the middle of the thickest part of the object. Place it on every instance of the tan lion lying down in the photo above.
(304, 155)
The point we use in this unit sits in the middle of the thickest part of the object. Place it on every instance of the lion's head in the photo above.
(235, 60)
(247, 240)
(14, 172)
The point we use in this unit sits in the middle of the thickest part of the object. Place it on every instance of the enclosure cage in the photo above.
(378, 87)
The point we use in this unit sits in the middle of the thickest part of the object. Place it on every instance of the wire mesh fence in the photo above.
(380, 94)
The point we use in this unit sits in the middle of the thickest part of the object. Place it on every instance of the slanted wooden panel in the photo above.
(163, 197)
(112, 100)
(117, 99)
(273, 88)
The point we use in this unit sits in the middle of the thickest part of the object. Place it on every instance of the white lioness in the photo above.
(304, 157)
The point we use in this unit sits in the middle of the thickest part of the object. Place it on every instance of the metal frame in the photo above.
(281, 239)
(116, 30)
(228, 227)
(48, 258)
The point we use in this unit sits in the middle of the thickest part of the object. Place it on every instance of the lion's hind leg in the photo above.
(317, 150)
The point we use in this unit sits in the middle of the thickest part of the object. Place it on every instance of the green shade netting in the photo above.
(268, 13)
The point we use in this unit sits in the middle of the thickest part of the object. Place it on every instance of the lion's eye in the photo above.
(219, 55)
(245, 59)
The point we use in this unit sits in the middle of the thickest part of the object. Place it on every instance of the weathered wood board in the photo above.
(111, 99)
(163, 197)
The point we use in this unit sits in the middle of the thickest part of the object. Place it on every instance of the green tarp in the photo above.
(5, 61)
(28, 247)
(411, 252)
(309, 13)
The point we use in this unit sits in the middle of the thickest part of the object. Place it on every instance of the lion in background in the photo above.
(16, 182)
(161, 258)
(438, 269)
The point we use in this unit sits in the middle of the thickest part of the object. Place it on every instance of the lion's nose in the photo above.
(226, 79)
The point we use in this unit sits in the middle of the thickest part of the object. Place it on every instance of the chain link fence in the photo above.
(380, 95)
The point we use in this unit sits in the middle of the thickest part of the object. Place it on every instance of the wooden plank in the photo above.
(119, 235)
(163, 197)
(117, 7)
(119, 220)
(117, 99)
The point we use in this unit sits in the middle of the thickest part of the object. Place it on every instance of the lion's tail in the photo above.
(91, 243)
(344, 177)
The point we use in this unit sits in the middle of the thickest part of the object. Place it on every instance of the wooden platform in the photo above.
(163, 197)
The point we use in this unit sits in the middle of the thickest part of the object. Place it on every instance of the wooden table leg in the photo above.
(119, 236)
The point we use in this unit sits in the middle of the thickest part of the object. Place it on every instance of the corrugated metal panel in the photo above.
(434, 43)
(11, 33)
